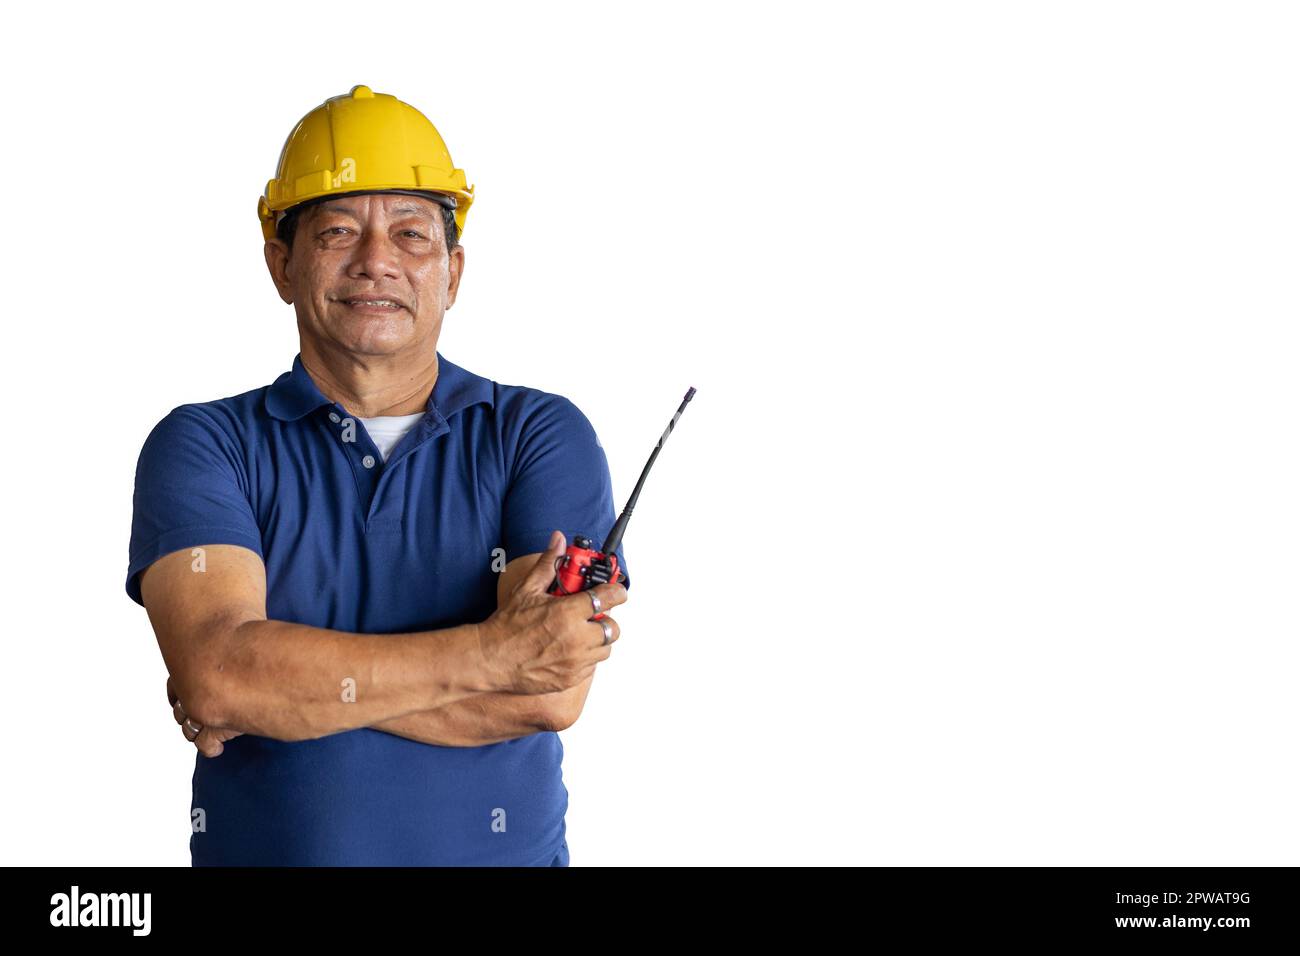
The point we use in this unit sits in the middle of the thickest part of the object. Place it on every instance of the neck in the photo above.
(370, 386)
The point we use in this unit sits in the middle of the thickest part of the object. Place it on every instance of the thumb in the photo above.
(539, 578)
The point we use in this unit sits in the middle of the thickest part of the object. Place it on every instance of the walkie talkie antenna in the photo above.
(616, 533)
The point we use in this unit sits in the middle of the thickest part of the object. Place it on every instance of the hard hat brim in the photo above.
(444, 199)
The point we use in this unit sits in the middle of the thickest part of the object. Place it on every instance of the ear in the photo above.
(455, 269)
(277, 262)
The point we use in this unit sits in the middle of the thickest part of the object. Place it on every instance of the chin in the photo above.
(377, 338)
(377, 347)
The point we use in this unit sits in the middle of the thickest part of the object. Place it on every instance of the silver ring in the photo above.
(608, 629)
(595, 603)
(197, 728)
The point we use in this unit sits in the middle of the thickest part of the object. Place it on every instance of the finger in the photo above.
(208, 743)
(188, 731)
(178, 712)
(543, 572)
(610, 595)
(614, 630)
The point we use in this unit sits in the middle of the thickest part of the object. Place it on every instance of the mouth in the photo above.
(377, 305)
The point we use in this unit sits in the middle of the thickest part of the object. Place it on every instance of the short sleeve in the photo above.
(560, 481)
(190, 490)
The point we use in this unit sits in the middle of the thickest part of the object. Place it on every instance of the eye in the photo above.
(334, 228)
(412, 232)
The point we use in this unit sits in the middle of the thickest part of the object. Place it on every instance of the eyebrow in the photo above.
(405, 208)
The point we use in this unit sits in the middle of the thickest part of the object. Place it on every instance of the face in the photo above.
(372, 247)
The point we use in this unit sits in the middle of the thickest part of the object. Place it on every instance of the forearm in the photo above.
(291, 681)
(490, 718)
(475, 721)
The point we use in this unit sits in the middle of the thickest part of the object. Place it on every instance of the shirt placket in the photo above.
(373, 476)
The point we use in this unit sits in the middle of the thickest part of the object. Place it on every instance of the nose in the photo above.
(376, 255)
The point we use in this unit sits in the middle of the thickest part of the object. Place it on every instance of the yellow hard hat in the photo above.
(362, 142)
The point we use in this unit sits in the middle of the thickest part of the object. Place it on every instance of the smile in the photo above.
(373, 305)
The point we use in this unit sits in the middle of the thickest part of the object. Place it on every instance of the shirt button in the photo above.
(334, 417)
(368, 461)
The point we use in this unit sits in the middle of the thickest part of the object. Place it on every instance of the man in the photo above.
(347, 570)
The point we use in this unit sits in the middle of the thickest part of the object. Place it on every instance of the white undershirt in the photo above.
(387, 430)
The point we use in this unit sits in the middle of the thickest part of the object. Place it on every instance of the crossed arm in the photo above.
(490, 718)
(493, 717)
(234, 671)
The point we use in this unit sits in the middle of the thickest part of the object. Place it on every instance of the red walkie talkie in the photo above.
(581, 567)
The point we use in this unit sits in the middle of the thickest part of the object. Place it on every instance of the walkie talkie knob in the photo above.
(581, 541)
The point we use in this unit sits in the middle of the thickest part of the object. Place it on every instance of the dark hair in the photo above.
(288, 225)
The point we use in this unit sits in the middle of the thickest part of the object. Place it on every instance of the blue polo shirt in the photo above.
(354, 543)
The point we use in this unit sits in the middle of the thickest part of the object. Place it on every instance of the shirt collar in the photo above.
(294, 394)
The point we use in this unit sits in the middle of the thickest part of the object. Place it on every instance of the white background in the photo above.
(979, 542)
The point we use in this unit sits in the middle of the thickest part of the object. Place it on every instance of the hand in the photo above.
(538, 643)
(210, 740)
